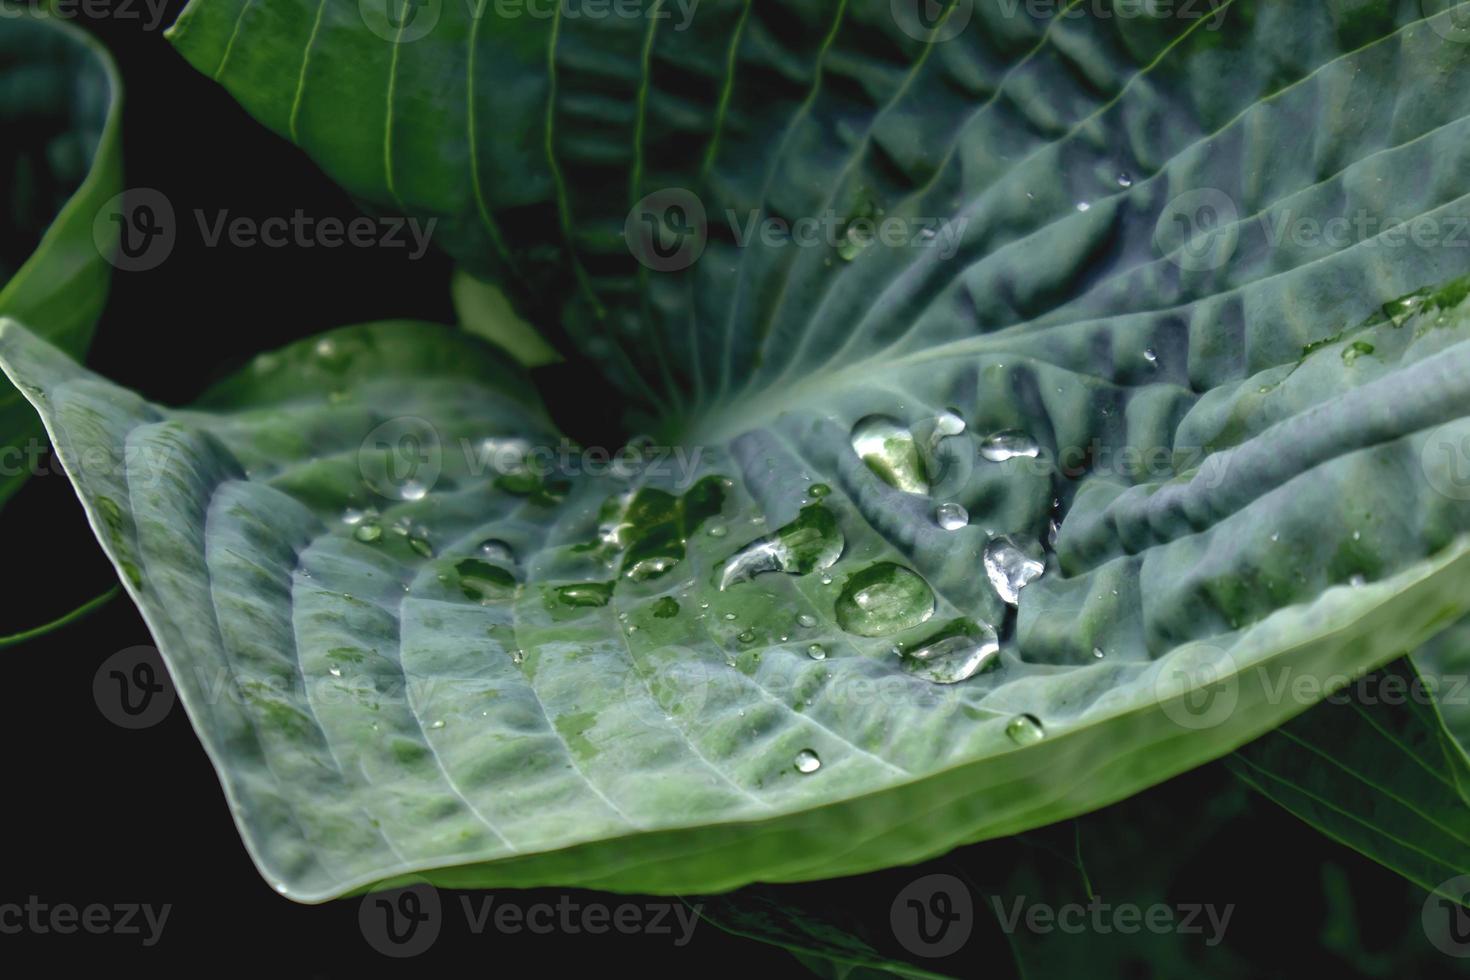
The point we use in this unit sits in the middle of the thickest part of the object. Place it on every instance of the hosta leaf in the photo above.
(520, 677)
(1374, 769)
(1121, 342)
(60, 104)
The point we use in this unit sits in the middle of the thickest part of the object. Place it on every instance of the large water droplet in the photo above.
(493, 549)
(807, 761)
(811, 542)
(951, 516)
(956, 653)
(484, 582)
(887, 446)
(1010, 569)
(585, 593)
(817, 652)
(1025, 730)
(647, 568)
(882, 599)
(1008, 444)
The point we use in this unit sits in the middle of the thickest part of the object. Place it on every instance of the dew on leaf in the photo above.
(484, 582)
(951, 516)
(1008, 444)
(883, 599)
(956, 653)
(493, 549)
(817, 652)
(1025, 730)
(585, 593)
(807, 761)
(811, 542)
(888, 447)
(666, 608)
(1009, 568)
(368, 532)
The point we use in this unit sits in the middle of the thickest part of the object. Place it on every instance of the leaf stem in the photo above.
(85, 609)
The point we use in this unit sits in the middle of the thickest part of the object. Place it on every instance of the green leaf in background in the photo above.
(60, 107)
(957, 531)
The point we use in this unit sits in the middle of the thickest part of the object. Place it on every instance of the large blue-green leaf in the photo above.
(60, 104)
(877, 437)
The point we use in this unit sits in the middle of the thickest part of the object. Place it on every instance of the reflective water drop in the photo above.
(1009, 568)
(818, 490)
(718, 531)
(648, 568)
(1025, 730)
(1151, 356)
(368, 532)
(352, 516)
(412, 490)
(585, 593)
(1357, 581)
(484, 582)
(806, 620)
(438, 724)
(496, 550)
(887, 446)
(807, 761)
(1097, 653)
(1008, 444)
(746, 636)
(857, 238)
(666, 608)
(951, 516)
(813, 541)
(1125, 181)
(421, 546)
(1084, 206)
(817, 652)
(883, 599)
(956, 653)
(948, 423)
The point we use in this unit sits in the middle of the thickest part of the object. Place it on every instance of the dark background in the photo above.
(94, 813)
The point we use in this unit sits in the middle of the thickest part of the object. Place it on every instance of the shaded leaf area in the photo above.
(1375, 769)
(60, 103)
(1199, 840)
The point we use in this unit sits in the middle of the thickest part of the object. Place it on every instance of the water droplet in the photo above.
(746, 636)
(1084, 206)
(421, 546)
(335, 671)
(1357, 581)
(1151, 356)
(813, 541)
(585, 593)
(666, 608)
(957, 652)
(1025, 730)
(353, 517)
(1008, 444)
(806, 620)
(883, 599)
(484, 582)
(948, 423)
(496, 550)
(718, 531)
(438, 724)
(648, 568)
(368, 532)
(857, 238)
(817, 652)
(951, 516)
(1097, 653)
(818, 490)
(729, 616)
(887, 446)
(1125, 181)
(412, 490)
(1009, 568)
(807, 761)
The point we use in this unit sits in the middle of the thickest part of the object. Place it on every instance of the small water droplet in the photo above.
(1357, 581)
(818, 490)
(1084, 206)
(1125, 181)
(817, 652)
(353, 517)
(421, 546)
(1151, 356)
(412, 490)
(1097, 653)
(857, 238)
(718, 531)
(666, 608)
(746, 636)
(1008, 444)
(951, 516)
(807, 761)
(335, 671)
(1009, 568)
(438, 724)
(368, 532)
(648, 568)
(1025, 730)
(729, 616)
(806, 620)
